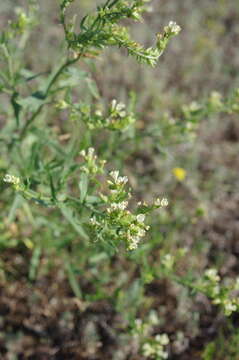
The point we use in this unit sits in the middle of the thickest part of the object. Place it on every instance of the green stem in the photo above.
(72, 277)
(59, 71)
(30, 121)
(3, 77)
(47, 91)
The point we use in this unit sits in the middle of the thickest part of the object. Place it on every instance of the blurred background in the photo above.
(199, 176)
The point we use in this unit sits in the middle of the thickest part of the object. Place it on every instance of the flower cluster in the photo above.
(172, 29)
(145, 208)
(219, 293)
(22, 21)
(14, 180)
(168, 261)
(216, 101)
(194, 108)
(11, 179)
(117, 223)
(27, 193)
(92, 165)
(161, 202)
(101, 29)
(118, 117)
(152, 347)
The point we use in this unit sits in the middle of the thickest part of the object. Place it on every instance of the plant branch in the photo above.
(47, 91)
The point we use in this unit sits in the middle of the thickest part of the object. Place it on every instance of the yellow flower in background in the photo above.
(29, 244)
(179, 173)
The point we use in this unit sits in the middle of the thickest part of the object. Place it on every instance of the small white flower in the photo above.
(153, 318)
(98, 113)
(120, 106)
(164, 202)
(11, 179)
(194, 106)
(141, 232)
(162, 339)
(121, 206)
(122, 180)
(140, 218)
(133, 242)
(230, 307)
(173, 28)
(168, 261)
(91, 151)
(148, 350)
(212, 274)
(157, 202)
(114, 103)
(93, 221)
(114, 175)
(215, 290)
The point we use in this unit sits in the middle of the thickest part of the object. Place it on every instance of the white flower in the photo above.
(162, 339)
(168, 261)
(212, 274)
(148, 350)
(91, 151)
(215, 290)
(122, 180)
(11, 179)
(172, 28)
(121, 206)
(140, 218)
(157, 202)
(113, 104)
(93, 221)
(114, 175)
(141, 232)
(121, 109)
(153, 318)
(230, 307)
(133, 242)
(194, 106)
(98, 113)
(164, 202)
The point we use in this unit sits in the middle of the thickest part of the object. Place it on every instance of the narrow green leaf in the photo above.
(93, 88)
(69, 215)
(53, 190)
(16, 107)
(15, 205)
(72, 279)
(34, 264)
(83, 186)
